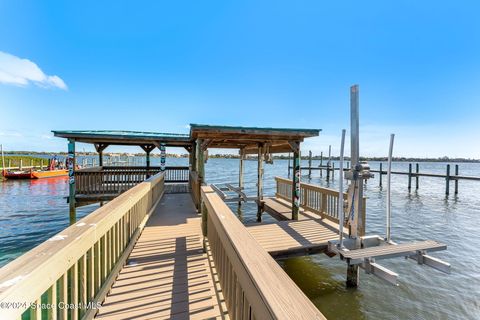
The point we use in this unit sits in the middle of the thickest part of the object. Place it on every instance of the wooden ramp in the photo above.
(167, 275)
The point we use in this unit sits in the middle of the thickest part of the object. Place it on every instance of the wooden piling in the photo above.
(380, 177)
(456, 180)
(321, 164)
(309, 164)
(260, 183)
(289, 164)
(409, 176)
(417, 170)
(71, 179)
(21, 164)
(447, 180)
(333, 171)
(296, 183)
(240, 173)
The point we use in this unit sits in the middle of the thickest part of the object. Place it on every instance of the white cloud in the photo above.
(21, 72)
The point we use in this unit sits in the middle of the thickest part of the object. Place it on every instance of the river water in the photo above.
(33, 211)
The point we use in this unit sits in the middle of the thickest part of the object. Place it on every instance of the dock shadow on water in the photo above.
(326, 290)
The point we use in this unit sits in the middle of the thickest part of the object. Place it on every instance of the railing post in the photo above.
(204, 225)
(324, 204)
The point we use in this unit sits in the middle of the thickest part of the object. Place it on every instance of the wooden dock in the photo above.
(286, 237)
(291, 238)
(167, 275)
(151, 254)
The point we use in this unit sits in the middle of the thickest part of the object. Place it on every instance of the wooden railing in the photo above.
(253, 284)
(322, 201)
(79, 265)
(115, 180)
(176, 174)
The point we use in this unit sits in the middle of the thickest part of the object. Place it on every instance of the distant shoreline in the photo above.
(236, 156)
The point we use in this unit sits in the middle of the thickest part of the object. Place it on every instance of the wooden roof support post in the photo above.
(194, 156)
(260, 182)
(240, 173)
(148, 148)
(190, 152)
(295, 145)
(71, 179)
(100, 147)
(200, 167)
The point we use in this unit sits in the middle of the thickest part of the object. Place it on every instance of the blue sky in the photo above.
(158, 66)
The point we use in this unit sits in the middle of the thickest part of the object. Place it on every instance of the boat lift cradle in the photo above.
(364, 251)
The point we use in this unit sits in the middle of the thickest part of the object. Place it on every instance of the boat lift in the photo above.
(230, 193)
(363, 251)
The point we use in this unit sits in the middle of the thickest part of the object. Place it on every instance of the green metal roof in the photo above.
(120, 137)
(122, 134)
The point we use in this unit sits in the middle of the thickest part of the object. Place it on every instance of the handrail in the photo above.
(82, 261)
(115, 180)
(322, 201)
(253, 284)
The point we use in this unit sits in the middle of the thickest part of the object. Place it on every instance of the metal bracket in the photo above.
(423, 258)
(148, 147)
(100, 146)
(371, 267)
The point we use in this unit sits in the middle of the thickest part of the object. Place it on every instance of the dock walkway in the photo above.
(167, 275)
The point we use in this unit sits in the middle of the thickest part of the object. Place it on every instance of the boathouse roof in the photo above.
(249, 138)
(246, 138)
(120, 137)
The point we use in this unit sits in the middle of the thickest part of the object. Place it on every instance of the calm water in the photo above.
(32, 211)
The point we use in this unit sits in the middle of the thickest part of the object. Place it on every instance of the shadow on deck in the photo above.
(167, 275)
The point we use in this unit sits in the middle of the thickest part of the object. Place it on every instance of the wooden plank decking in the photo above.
(167, 275)
(286, 237)
(290, 238)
